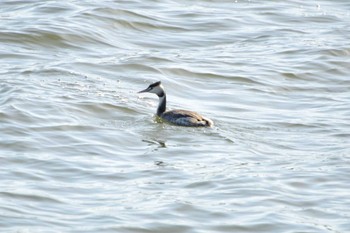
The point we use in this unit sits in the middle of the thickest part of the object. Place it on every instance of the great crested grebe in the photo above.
(177, 117)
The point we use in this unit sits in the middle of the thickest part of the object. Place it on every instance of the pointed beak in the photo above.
(143, 91)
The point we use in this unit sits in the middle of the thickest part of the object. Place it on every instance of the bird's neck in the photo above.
(162, 103)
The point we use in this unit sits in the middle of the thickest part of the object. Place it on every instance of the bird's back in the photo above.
(186, 118)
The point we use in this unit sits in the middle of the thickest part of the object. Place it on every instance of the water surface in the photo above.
(81, 151)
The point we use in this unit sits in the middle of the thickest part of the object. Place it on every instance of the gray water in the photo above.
(81, 151)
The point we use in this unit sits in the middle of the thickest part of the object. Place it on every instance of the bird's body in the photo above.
(185, 118)
(177, 117)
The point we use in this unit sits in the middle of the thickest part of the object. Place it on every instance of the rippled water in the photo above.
(82, 152)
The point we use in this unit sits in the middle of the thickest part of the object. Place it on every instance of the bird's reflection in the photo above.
(160, 144)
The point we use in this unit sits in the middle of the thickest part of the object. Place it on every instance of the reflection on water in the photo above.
(82, 152)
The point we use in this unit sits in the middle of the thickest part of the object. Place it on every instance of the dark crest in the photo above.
(155, 84)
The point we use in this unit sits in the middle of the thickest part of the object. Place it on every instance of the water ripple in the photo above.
(83, 152)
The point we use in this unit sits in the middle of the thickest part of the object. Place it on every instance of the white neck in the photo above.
(161, 105)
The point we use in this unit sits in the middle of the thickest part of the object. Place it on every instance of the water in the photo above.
(82, 152)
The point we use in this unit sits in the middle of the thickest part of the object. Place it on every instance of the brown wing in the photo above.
(186, 118)
(182, 113)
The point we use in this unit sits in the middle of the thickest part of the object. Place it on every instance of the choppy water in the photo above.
(81, 151)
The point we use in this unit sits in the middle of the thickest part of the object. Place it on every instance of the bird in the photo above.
(176, 117)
